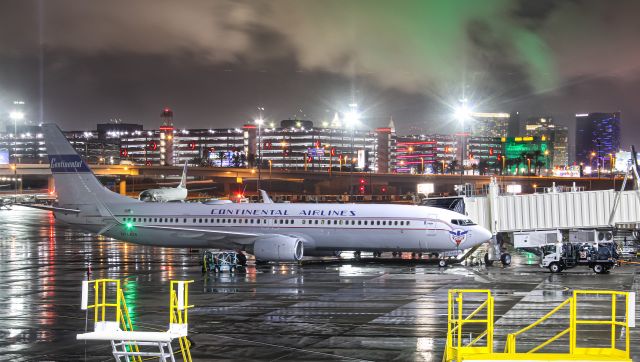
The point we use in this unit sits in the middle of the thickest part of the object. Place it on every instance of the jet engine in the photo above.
(147, 196)
(278, 248)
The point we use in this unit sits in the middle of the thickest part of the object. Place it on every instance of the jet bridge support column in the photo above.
(123, 187)
(494, 251)
(51, 186)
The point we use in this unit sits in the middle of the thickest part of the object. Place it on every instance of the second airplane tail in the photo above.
(183, 179)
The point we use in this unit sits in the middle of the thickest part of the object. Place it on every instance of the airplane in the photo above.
(168, 194)
(6, 203)
(276, 232)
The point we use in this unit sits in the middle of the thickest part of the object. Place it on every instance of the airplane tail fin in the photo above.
(183, 180)
(265, 197)
(74, 181)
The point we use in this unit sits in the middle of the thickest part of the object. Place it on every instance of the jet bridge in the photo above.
(554, 210)
(558, 208)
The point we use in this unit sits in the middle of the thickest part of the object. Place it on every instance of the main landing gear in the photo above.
(505, 259)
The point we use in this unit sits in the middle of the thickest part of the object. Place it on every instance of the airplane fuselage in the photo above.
(322, 227)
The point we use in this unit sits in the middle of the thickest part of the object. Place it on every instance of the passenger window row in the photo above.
(264, 221)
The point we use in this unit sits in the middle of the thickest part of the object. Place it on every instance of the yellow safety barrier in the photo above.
(102, 305)
(179, 312)
(456, 320)
(456, 350)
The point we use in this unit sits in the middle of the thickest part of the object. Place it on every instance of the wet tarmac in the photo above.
(368, 310)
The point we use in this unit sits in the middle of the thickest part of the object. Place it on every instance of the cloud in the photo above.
(416, 46)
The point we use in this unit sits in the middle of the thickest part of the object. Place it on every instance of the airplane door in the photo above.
(431, 225)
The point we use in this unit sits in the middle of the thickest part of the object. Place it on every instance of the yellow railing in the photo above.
(456, 350)
(179, 312)
(574, 322)
(456, 320)
(613, 322)
(510, 346)
(102, 305)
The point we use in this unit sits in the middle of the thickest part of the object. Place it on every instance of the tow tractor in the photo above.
(600, 257)
(592, 248)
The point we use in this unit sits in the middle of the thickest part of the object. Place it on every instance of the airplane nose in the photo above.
(484, 234)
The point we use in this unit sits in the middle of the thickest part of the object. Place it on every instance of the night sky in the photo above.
(214, 62)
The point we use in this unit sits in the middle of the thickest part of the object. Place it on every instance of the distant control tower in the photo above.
(166, 137)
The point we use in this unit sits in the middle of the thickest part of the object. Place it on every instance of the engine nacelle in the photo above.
(278, 248)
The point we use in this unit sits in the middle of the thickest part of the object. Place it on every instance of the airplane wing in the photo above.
(50, 208)
(203, 189)
(194, 233)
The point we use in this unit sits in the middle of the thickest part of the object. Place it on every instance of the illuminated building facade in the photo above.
(483, 154)
(424, 154)
(299, 145)
(29, 147)
(166, 137)
(524, 155)
(557, 136)
(487, 124)
(598, 134)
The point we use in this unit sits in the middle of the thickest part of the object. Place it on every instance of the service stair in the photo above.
(470, 329)
(112, 322)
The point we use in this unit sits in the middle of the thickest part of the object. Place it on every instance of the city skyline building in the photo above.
(597, 136)
(297, 144)
(546, 129)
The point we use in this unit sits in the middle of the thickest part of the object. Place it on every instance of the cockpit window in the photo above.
(463, 222)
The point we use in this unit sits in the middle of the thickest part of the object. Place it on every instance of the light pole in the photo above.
(15, 116)
(598, 157)
(462, 113)
(259, 121)
(269, 175)
(351, 119)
